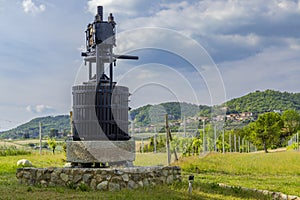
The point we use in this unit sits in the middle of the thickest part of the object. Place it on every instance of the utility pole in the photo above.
(40, 124)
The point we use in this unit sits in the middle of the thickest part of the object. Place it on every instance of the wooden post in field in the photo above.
(40, 124)
(234, 138)
(243, 141)
(154, 141)
(248, 147)
(132, 128)
(71, 123)
(142, 145)
(204, 138)
(184, 126)
(298, 141)
(215, 138)
(239, 144)
(168, 140)
(230, 142)
(223, 142)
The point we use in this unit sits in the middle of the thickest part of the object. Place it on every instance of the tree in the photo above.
(26, 135)
(53, 133)
(197, 142)
(267, 129)
(52, 144)
(291, 120)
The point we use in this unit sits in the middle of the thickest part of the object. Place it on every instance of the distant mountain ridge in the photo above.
(255, 102)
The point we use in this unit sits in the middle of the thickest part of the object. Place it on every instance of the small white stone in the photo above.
(68, 165)
(24, 163)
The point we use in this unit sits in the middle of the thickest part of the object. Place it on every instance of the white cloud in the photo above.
(40, 109)
(274, 68)
(30, 7)
(238, 28)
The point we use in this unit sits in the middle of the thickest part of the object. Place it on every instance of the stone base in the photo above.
(100, 179)
(100, 151)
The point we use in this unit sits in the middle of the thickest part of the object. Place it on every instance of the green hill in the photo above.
(150, 114)
(60, 122)
(264, 101)
(256, 102)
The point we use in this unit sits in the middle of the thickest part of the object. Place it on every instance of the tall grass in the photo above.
(12, 151)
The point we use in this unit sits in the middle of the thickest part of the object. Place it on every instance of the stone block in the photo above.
(100, 151)
(102, 186)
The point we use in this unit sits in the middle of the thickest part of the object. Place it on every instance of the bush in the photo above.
(294, 146)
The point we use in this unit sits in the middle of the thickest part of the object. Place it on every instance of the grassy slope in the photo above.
(274, 171)
(10, 189)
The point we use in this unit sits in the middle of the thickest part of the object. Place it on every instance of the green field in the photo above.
(273, 171)
(278, 171)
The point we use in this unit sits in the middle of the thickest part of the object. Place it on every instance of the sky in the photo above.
(203, 52)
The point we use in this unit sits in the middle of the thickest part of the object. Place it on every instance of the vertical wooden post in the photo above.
(154, 141)
(234, 138)
(243, 141)
(71, 123)
(215, 138)
(223, 142)
(168, 140)
(142, 145)
(184, 126)
(204, 149)
(132, 128)
(248, 144)
(298, 141)
(230, 142)
(239, 144)
(40, 124)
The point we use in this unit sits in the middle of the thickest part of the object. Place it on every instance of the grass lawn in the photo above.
(265, 171)
(278, 171)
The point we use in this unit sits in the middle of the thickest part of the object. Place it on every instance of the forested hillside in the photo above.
(31, 128)
(264, 101)
(150, 114)
(256, 102)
